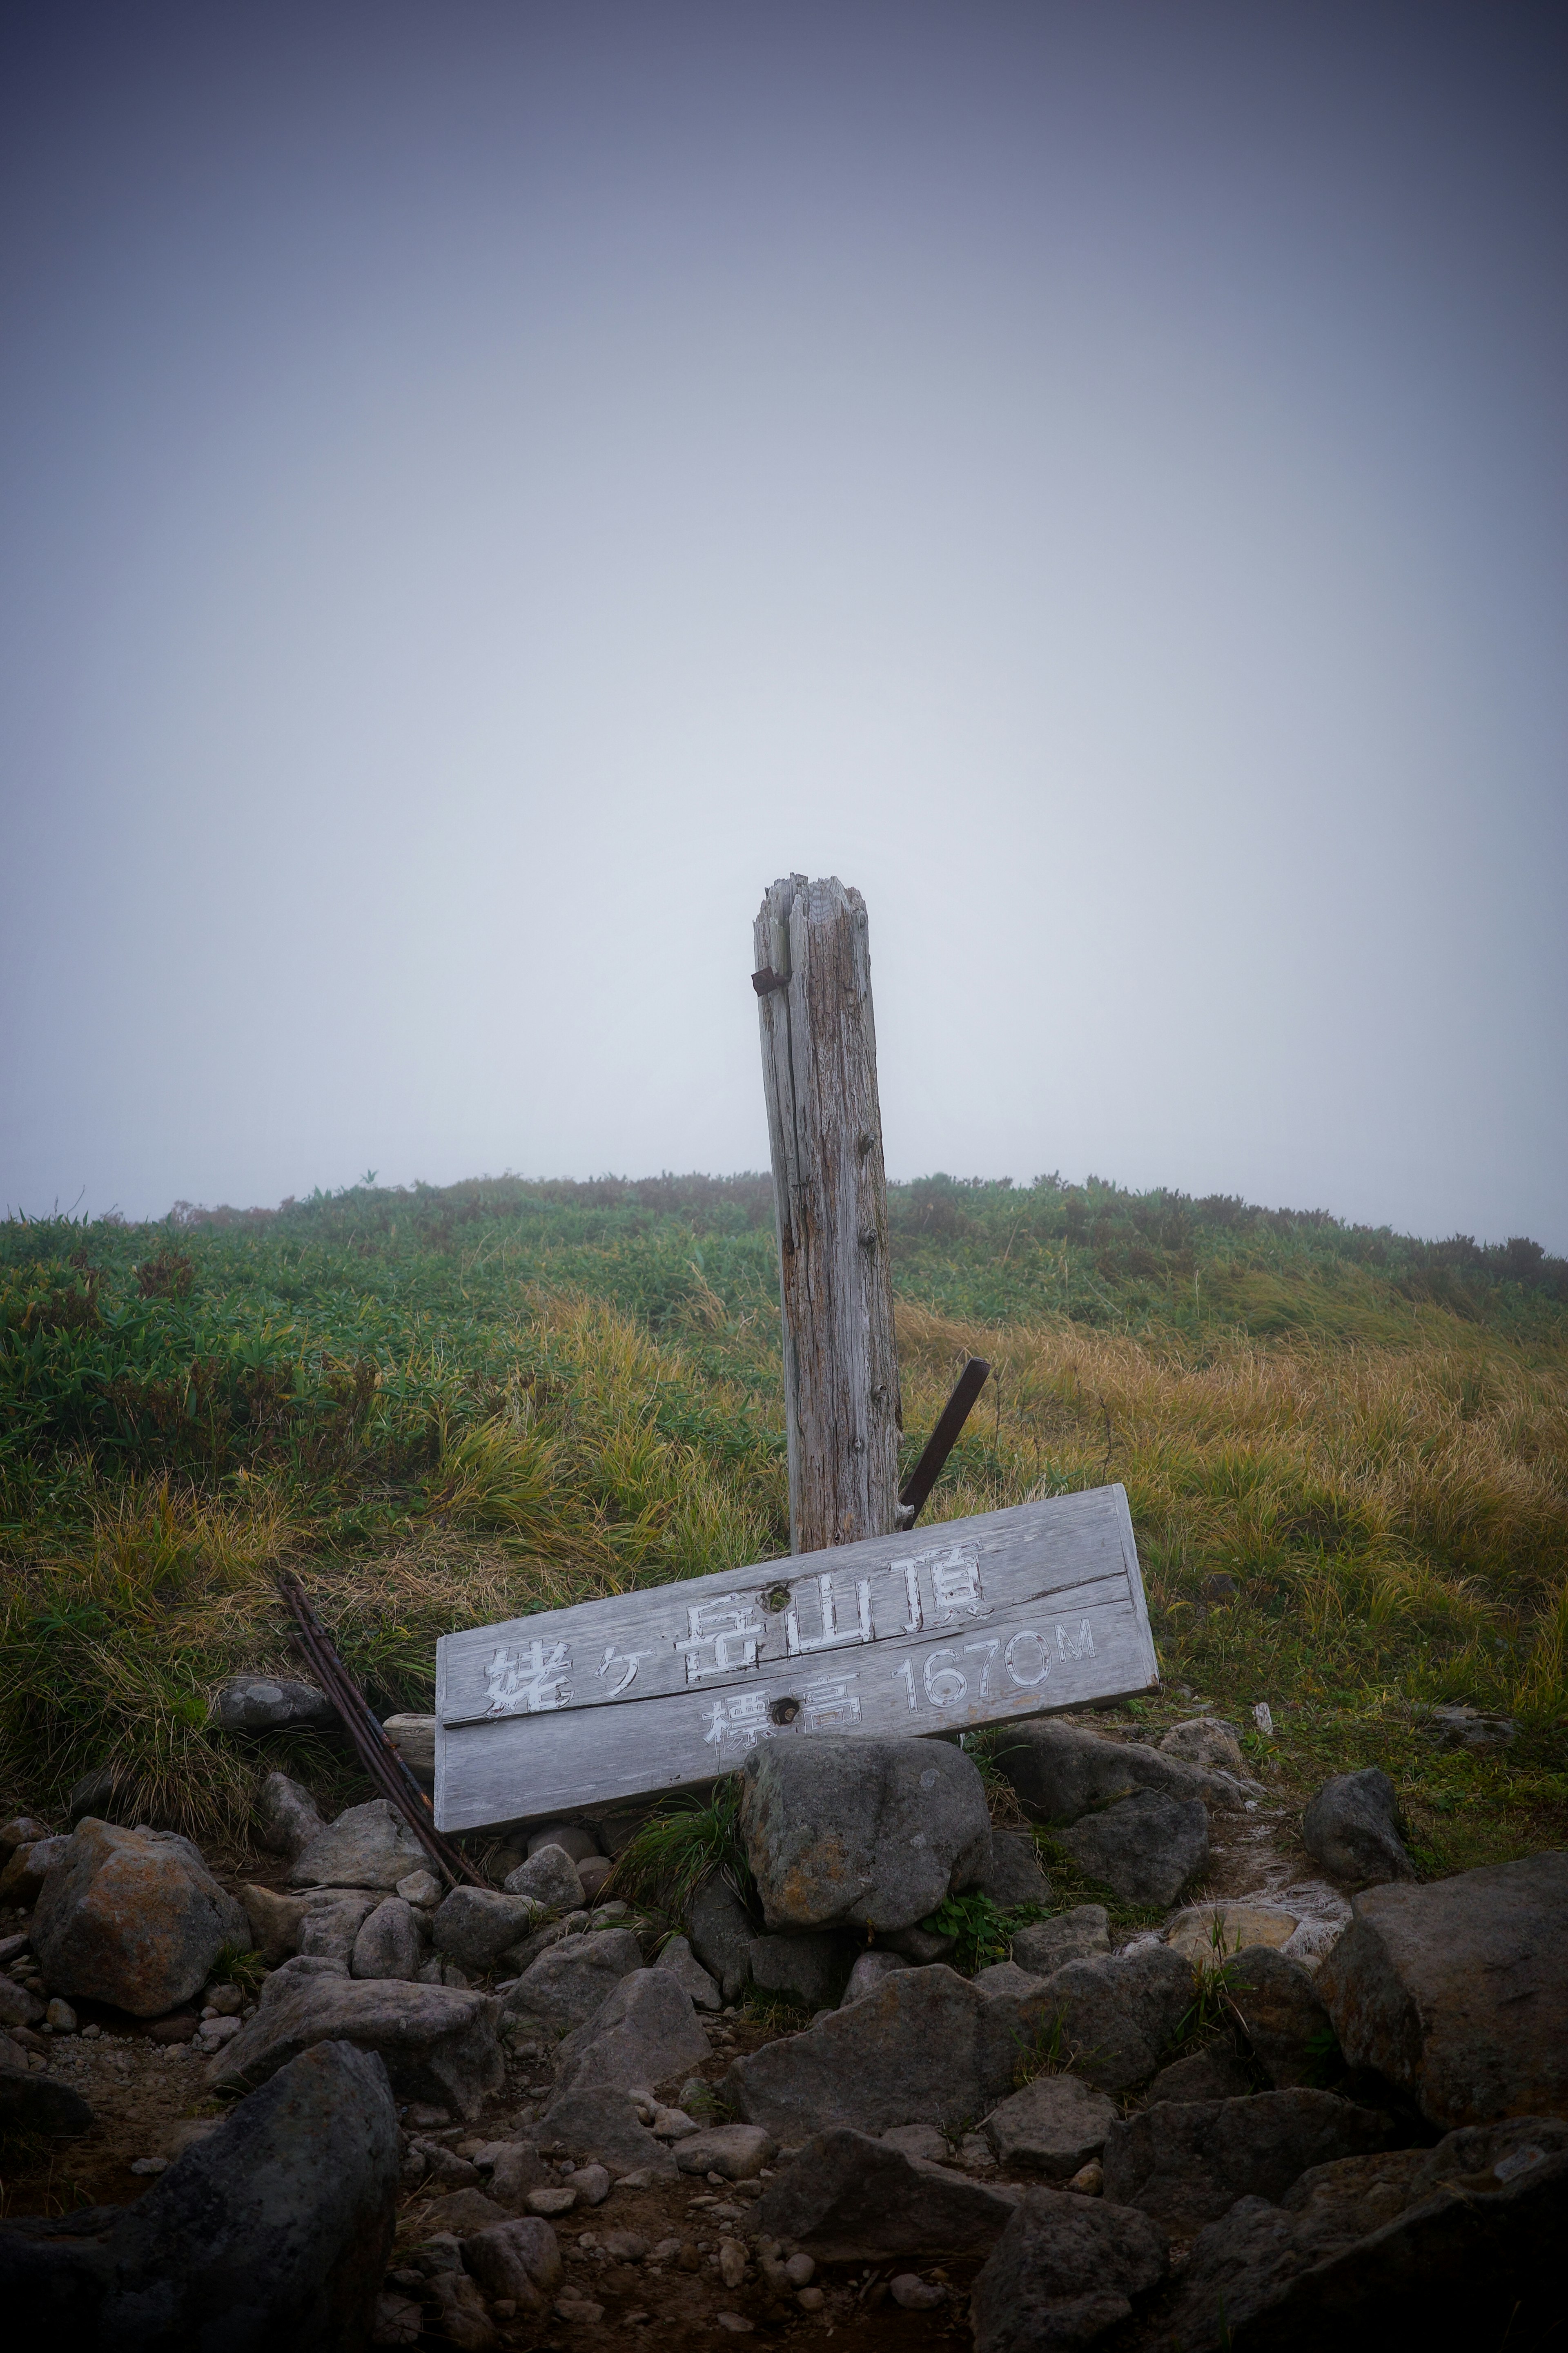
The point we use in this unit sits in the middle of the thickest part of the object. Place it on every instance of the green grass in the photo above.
(444, 1407)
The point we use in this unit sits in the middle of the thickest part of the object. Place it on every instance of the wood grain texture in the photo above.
(971, 1622)
(830, 1194)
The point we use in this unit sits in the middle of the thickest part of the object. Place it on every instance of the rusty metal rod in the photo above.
(941, 1441)
(376, 1752)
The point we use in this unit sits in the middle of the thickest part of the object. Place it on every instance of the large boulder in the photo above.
(1061, 1772)
(1185, 2162)
(572, 1979)
(1457, 1991)
(866, 1833)
(643, 2033)
(721, 1932)
(475, 1925)
(367, 1846)
(273, 1704)
(1460, 2245)
(273, 2230)
(1113, 2019)
(1064, 2271)
(848, 2198)
(599, 2124)
(924, 2046)
(1053, 2127)
(133, 1917)
(1144, 1848)
(1352, 1830)
(438, 2043)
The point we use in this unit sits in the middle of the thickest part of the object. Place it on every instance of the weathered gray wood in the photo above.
(830, 1195)
(970, 1623)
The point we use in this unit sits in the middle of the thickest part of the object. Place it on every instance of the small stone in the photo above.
(1081, 1935)
(1089, 2181)
(226, 2000)
(576, 1842)
(388, 1943)
(1202, 1741)
(578, 2308)
(800, 2270)
(672, 2123)
(275, 1921)
(591, 2183)
(1352, 1830)
(1146, 1848)
(548, 1879)
(919, 2140)
(913, 2293)
(1210, 1933)
(558, 2201)
(630, 2247)
(868, 1971)
(810, 2299)
(735, 2322)
(268, 1703)
(594, 1870)
(366, 1846)
(722, 1932)
(726, 2152)
(20, 1831)
(677, 1957)
(288, 1815)
(145, 2164)
(731, 2262)
(422, 1889)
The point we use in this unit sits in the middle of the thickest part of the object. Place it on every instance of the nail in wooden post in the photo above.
(812, 972)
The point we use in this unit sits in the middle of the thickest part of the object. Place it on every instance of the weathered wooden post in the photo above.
(813, 979)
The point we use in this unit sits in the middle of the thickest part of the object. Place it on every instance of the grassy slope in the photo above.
(449, 1405)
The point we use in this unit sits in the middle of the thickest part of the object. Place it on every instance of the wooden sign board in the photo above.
(970, 1623)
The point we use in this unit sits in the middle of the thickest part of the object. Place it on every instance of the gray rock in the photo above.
(602, 2124)
(1282, 2012)
(17, 2006)
(30, 1864)
(1185, 2162)
(682, 1963)
(735, 2152)
(1060, 1772)
(475, 1925)
(287, 1816)
(272, 1703)
(919, 2140)
(41, 2104)
(131, 1917)
(595, 1870)
(1145, 1849)
(1013, 1878)
(1117, 2016)
(575, 1841)
(414, 1738)
(331, 1921)
(301, 1965)
(1205, 1741)
(1460, 2245)
(868, 1833)
(438, 2045)
(572, 1979)
(1456, 1991)
(1351, 1829)
(923, 2047)
(518, 2168)
(845, 2198)
(645, 2032)
(548, 1879)
(275, 1922)
(367, 1846)
(919, 1945)
(389, 1944)
(520, 2258)
(721, 1932)
(870, 1970)
(22, 1829)
(273, 2230)
(808, 1972)
(1212, 2073)
(1081, 1935)
(1065, 2270)
(1054, 2126)
(1005, 1976)
(1461, 1726)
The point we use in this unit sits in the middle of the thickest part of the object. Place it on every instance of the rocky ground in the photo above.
(1307, 2101)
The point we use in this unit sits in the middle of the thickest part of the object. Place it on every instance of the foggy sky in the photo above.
(484, 489)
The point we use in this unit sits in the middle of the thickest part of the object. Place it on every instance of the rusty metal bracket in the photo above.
(768, 978)
(941, 1441)
(376, 1752)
